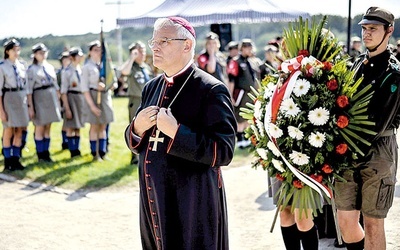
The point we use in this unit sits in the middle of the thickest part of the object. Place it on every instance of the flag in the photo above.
(107, 72)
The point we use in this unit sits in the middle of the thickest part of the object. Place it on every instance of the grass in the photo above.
(82, 173)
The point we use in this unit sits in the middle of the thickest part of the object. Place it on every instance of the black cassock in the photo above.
(182, 195)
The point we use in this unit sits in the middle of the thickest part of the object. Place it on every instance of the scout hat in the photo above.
(246, 42)
(93, 44)
(136, 45)
(212, 36)
(39, 46)
(232, 45)
(63, 55)
(377, 15)
(75, 51)
(9, 44)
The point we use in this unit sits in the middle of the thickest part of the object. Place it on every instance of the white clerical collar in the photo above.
(171, 78)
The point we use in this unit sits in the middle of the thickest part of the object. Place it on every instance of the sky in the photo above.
(36, 18)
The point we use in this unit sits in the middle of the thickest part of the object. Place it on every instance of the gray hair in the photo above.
(182, 32)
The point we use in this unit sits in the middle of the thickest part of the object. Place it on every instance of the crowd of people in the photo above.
(74, 94)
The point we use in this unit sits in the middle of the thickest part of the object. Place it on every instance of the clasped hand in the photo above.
(153, 115)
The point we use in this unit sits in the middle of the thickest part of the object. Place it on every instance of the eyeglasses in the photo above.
(163, 42)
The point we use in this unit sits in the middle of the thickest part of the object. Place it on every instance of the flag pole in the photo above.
(98, 99)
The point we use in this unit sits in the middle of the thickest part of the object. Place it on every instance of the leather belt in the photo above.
(74, 92)
(43, 87)
(12, 89)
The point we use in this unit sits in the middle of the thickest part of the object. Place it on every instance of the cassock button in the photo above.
(153, 213)
(158, 238)
(149, 188)
(155, 226)
(151, 201)
(147, 175)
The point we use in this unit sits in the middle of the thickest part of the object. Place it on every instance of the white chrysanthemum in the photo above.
(317, 139)
(263, 153)
(301, 87)
(299, 158)
(318, 116)
(289, 108)
(273, 148)
(278, 165)
(257, 110)
(275, 131)
(295, 133)
(269, 90)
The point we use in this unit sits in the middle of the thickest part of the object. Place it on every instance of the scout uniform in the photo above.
(13, 93)
(90, 83)
(42, 85)
(64, 56)
(72, 87)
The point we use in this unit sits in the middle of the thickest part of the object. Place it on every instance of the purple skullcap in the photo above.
(184, 23)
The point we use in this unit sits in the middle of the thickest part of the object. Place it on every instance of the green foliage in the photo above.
(82, 172)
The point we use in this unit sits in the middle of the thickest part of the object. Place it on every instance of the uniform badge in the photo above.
(393, 88)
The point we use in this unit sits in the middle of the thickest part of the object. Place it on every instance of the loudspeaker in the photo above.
(224, 31)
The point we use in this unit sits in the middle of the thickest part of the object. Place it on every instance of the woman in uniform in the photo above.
(64, 61)
(99, 101)
(13, 104)
(43, 99)
(73, 101)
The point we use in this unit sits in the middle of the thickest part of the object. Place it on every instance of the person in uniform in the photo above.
(99, 101)
(64, 62)
(183, 131)
(138, 72)
(355, 48)
(369, 189)
(13, 104)
(43, 99)
(233, 50)
(241, 77)
(270, 61)
(73, 101)
(211, 59)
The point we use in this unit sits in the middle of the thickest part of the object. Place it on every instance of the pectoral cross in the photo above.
(156, 139)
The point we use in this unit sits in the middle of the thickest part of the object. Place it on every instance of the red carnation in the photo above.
(342, 101)
(317, 177)
(332, 85)
(253, 140)
(327, 169)
(327, 66)
(341, 148)
(303, 52)
(280, 177)
(298, 184)
(342, 121)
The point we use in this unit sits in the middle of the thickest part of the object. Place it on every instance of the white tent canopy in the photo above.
(202, 12)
